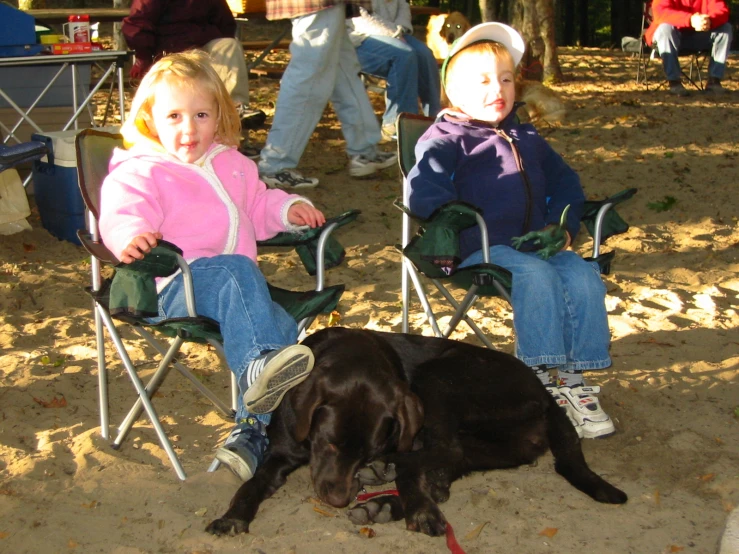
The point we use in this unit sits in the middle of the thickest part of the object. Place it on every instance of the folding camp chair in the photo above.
(94, 149)
(427, 252)
(647, 53)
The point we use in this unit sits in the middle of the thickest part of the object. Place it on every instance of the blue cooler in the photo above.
(58, 197)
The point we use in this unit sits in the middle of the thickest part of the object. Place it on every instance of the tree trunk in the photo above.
(488, 10)
(584, 27)
(568, 34)
(534, 19)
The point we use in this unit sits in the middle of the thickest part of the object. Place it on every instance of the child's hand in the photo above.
(301, 213)
(139, 247)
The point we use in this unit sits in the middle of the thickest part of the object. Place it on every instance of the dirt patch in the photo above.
(672, 390)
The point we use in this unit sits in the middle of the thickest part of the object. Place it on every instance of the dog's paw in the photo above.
(608, 494)
(376, 473)
(429, 521)
(381, 509)
(227, 526)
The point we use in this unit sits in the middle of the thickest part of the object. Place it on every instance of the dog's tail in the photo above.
(570, 463)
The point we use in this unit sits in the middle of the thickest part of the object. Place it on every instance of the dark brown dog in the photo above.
(362, 404)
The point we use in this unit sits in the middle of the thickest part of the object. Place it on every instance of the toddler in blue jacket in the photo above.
(476, 152)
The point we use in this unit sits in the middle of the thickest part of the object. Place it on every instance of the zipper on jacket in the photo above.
(526, 183)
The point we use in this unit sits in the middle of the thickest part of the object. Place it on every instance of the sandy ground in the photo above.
(672, 389)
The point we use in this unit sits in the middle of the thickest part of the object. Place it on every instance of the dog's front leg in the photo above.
(422, 513)
(244, 505)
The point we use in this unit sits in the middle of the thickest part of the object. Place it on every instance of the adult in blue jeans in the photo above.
(386, 48)
(323, 66)
(690, 25)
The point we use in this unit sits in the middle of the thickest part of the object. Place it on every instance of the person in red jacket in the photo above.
(155, 28)
(691, 25)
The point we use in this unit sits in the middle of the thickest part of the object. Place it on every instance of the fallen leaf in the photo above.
(323, 512)
(367, 532)
(92, 504)
(29, 247)
(656, 497)
(334, 318)
(549, 532)
(676, 548)
(718, 440)
(53, 403)
(474, 533)
(71, 543)
(201, 512)
(707, 477)
(4, 535)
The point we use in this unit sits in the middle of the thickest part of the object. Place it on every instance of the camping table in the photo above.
(110, 61)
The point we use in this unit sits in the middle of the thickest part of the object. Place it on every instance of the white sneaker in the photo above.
(563, 403)
(268, 377)
(288, 179)
(584, 408)
(362, 166)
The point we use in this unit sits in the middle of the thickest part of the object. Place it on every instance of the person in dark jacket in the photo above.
(476, 152)
(154, 28)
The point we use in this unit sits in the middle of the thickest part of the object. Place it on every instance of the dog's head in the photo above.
(455, 25)
(354, 407)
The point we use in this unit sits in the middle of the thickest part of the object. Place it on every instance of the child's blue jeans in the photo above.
(559, 312)
(231, 290)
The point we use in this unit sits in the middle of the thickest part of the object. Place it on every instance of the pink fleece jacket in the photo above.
(217, 207)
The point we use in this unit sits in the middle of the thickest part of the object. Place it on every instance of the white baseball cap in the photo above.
(495, 32)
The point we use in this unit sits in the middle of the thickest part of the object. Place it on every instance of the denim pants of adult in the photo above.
(323, 66)
(231, 290)
(669, 41)
(410, 70)
(559, 312)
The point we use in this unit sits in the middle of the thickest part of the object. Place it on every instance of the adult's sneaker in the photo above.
(563, 403)
(268, 377)
(244, 448)
(362, 166)
(584, 408)
(288, 179)
(251, 119)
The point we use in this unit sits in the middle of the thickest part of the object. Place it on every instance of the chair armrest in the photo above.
(602, 221)
(435, 248)
(10, 156)
(317, 249)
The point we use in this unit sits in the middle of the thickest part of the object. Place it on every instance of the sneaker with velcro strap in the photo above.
(563, 403)
(584, 408)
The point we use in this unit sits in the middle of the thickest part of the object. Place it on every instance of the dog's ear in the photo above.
(304, 401)
(410, 417)
(442, 30)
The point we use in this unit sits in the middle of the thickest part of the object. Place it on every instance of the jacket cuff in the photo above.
(283, 215)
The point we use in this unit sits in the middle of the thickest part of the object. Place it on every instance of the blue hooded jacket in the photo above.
(474, 161)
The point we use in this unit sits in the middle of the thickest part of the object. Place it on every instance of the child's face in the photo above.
(185, 119)
(482, 86)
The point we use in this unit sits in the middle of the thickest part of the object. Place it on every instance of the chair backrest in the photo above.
(410, 127)
(94, 149)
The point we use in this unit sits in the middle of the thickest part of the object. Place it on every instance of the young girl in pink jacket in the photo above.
(181, 179)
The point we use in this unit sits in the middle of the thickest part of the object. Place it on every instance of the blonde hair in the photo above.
(190, 68)
(480, 50)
